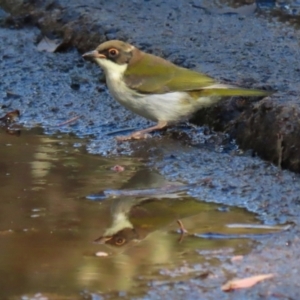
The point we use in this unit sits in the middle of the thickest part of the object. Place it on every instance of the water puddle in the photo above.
(48, 223)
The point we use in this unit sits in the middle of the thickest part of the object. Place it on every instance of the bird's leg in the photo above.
(183, 231)
(142, 134)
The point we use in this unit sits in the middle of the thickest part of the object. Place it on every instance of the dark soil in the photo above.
(249, 48)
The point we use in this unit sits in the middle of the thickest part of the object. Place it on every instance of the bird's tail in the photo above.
(224, 90)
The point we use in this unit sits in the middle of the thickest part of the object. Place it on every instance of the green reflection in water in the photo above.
(47, 226)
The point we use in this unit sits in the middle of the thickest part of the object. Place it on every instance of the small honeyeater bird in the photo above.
(155, 88)
(127, 211)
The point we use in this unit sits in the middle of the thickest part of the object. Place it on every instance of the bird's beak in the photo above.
(93, 54)
(102, 239)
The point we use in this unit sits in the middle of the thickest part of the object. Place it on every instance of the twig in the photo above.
(69, 121)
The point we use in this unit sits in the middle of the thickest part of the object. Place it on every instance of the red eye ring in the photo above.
(113, 52)
(120, 241)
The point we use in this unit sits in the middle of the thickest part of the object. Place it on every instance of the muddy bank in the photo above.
(51, 88)
(250, 50)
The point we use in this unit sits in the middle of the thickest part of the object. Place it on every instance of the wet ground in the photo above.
(51, 88)
(257, 47)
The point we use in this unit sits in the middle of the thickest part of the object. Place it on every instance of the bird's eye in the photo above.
(113, 52)
(120, 241)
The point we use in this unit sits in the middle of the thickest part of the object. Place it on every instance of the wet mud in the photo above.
(251, 51)
(254, 49)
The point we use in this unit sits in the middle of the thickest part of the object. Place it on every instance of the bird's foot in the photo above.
(143, 134)
(134, 136)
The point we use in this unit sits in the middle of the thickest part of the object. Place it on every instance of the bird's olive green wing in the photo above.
(152, 74)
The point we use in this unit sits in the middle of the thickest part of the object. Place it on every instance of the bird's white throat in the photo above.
(113, 70)
(120, 221)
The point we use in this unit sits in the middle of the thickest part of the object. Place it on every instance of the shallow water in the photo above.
(48, 224)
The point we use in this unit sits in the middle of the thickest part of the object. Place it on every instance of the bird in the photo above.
(157, 89)
(130, 208)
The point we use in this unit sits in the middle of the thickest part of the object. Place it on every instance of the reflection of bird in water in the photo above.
(121, 230)
(124, 209)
